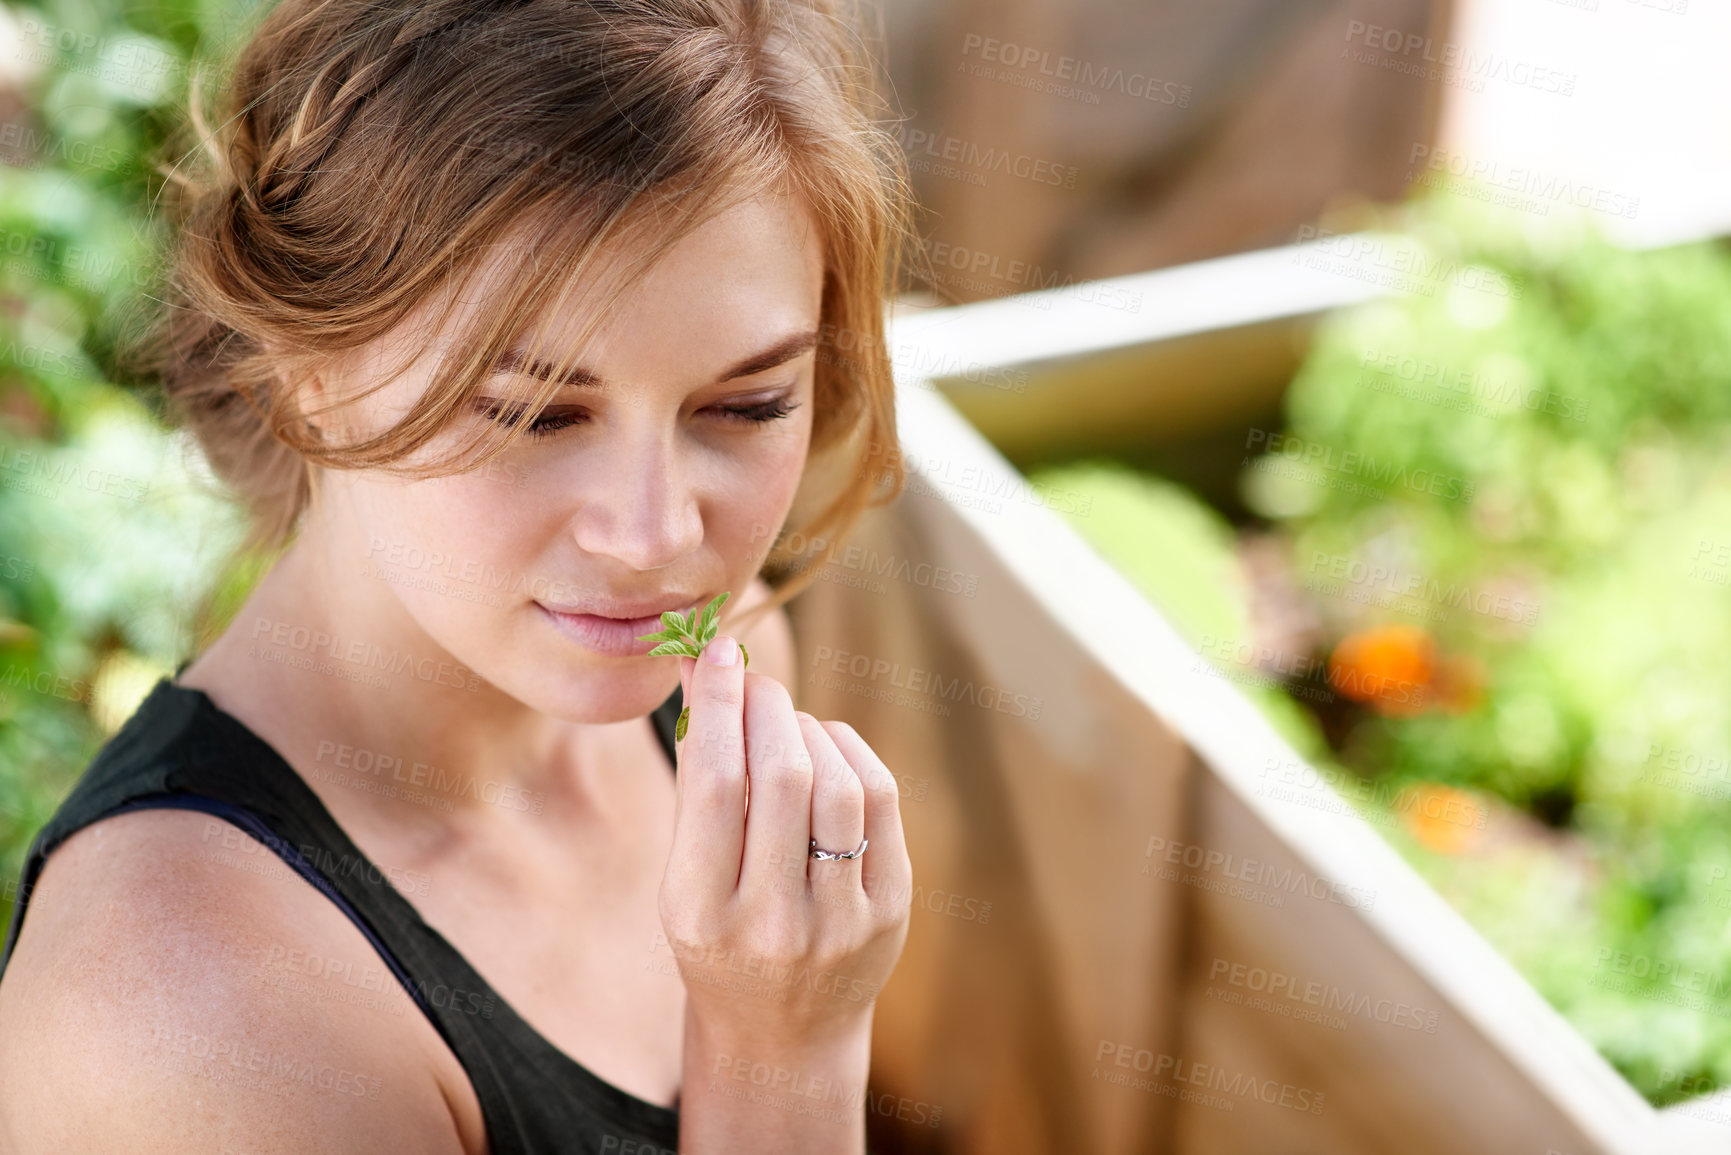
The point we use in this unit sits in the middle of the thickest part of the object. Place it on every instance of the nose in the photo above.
(637, 503)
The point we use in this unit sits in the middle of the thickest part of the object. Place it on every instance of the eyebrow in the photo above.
(780, 353)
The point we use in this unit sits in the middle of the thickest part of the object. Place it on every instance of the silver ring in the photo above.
(823, 854)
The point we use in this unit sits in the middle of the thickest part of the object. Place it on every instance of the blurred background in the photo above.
(1459, 520)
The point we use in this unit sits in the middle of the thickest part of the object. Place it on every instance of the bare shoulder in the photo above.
(164, 996)
(769, 637)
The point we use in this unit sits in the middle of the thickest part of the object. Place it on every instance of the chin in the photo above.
(599, 696)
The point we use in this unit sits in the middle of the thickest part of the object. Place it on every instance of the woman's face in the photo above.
(658, 488)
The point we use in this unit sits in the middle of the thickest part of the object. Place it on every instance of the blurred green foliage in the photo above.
(1526, 461)
(1174, 549)
(1581, 394)
(104, 531)
(1180, 554)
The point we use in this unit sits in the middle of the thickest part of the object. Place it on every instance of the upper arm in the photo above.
(769, 637)
(153, 1004)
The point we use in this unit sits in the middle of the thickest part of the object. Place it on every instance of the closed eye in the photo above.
(763, 411)
(550, 422)
(544, 425)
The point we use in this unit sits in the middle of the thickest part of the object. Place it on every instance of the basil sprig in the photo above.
(688, 635)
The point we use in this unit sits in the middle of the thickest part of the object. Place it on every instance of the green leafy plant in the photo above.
(688, 634)
(1575, 397)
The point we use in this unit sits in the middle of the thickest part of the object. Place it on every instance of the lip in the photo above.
(608, 634)
(624, 611)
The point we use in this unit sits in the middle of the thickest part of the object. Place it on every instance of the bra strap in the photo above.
(255, 826)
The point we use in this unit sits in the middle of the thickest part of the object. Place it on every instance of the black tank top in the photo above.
(180, 750)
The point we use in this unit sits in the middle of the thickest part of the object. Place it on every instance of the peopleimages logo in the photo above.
(441, 783)
(53, 472)
(1162, 1067)
(928, 683)
(1400, 262)
(1022, 275)
(1523, 181)
(45, 682)
(1499, 396)
(1277, 984)
(1452, 63)
(360, 653)
(1356, 580)
(1382, 475)
(1087, 75)
(920, 143)
(77, 263)
(1319, 786)
(1255, 872)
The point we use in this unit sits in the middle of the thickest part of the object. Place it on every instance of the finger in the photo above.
(885, 871)
(778, 821)
(837, 808)
(709, 812)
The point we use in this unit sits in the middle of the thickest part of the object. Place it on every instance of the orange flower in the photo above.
(1444, 819)
(1389, 668)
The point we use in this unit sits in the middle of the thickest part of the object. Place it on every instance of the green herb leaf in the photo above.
(687, 636)
(706, 628)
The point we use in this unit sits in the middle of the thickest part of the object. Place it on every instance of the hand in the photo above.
(778, 949)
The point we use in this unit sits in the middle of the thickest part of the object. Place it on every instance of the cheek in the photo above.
(453, 551)
(752, 513)
(466, 521)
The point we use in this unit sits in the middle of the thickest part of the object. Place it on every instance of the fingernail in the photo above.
(722, 650)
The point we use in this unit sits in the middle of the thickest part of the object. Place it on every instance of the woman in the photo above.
(515, 324)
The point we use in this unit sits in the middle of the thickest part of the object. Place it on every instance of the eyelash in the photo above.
(547, 426)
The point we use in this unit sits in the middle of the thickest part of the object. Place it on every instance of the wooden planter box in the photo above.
(1125, 938)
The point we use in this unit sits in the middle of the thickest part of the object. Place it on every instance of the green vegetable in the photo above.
(688, 635)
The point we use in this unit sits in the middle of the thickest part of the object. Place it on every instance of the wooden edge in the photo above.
(1111, 620)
